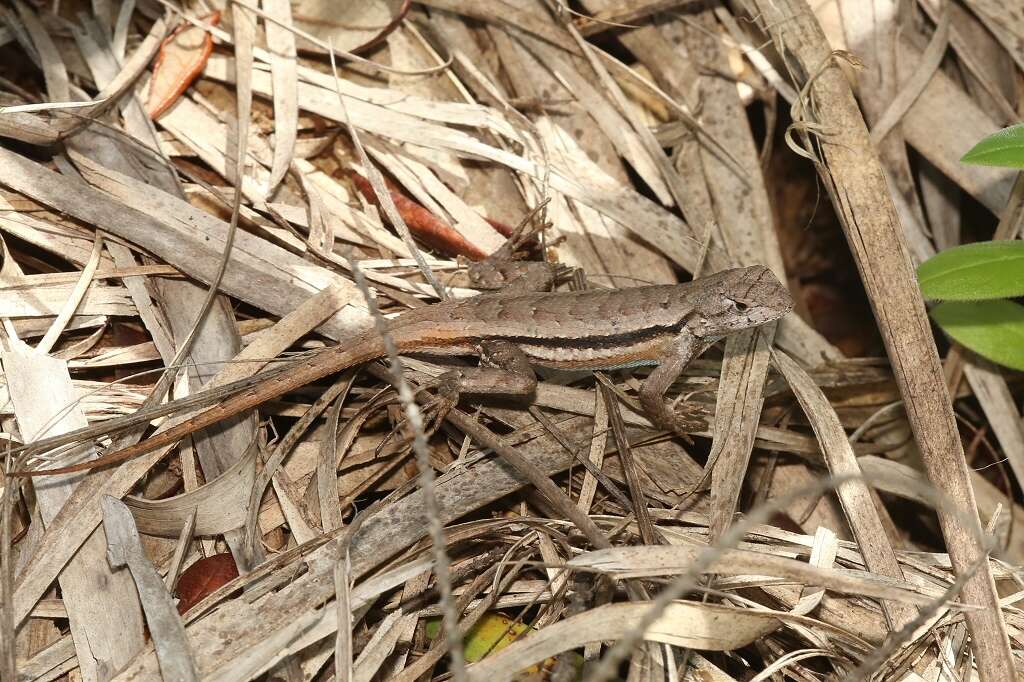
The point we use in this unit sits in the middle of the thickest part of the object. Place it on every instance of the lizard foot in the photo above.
(664, 415)
(684, 424)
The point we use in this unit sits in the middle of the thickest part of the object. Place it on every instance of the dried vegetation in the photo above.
(825, 525)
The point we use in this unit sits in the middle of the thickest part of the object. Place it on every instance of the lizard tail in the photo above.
(324, 364)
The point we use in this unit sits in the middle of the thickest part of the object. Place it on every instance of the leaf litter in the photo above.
(153, 152)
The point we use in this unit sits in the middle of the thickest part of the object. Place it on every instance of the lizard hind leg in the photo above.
(504, 370)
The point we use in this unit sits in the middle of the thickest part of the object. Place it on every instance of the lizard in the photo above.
(663, 325)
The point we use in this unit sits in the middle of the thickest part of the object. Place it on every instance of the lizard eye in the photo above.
(740, 306)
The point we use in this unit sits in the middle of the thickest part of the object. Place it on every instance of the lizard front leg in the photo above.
(680, 352)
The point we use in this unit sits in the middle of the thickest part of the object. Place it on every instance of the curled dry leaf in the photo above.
(204, 577)
(181, 59)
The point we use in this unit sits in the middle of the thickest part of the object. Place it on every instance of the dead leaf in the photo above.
(181, 59)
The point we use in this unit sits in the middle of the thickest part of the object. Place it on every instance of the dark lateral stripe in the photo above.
(593, 341)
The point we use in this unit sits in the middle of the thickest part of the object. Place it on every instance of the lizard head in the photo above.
(739, 299)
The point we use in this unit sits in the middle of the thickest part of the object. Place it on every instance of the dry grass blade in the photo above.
(284, 73)
(124, 548)
(635, 562)
(706, 627)
(858, 503)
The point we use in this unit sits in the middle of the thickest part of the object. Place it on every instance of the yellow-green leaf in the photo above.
(493, 633)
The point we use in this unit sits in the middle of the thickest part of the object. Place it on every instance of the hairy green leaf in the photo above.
(992, 329)
(974, 272)
(1002, 148)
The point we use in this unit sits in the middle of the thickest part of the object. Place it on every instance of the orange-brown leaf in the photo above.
(204, 577)
(431, 230)
(181, 59)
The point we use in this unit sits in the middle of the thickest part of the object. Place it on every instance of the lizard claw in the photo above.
(663, 414)
(684, 424)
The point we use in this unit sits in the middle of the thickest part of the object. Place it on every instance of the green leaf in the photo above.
(1002, 148)
(974, 272)
(992, 329)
